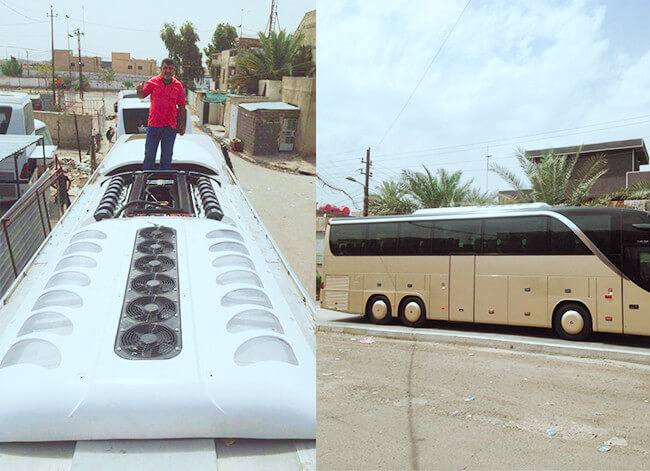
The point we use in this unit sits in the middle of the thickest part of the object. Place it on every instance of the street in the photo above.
(400, 404)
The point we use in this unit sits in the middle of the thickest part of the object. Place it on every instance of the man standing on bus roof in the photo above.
(167, 106)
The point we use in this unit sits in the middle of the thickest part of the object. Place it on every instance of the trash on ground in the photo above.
(229, 441)
(550, 432)
(550, 403)
(467, 399)
(367, 340)
(327, 374)
(456, 412)
(525, 379)
(604, 448)
(616, 441)
(598, 413)
(353, 338)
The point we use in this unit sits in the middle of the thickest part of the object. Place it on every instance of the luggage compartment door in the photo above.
(461, 288)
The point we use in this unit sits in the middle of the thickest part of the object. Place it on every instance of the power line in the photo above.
(16, 11)
(417, 85)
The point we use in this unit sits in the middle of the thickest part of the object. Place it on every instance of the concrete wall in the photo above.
(62, 128)
(271, 89)
(301, 92)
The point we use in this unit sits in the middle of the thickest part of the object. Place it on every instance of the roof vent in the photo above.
(254, 319)
(265, 348)
(148, 341)
(233, 261)
(51, 322)
(32, 351)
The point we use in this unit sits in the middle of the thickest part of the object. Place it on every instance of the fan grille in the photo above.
(153, 284)
(148, 341)
(151, 309)
(158, 233)
(154, 264)
(155, 246)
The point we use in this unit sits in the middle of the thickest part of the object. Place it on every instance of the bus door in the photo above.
(636, 291)
(461, 287)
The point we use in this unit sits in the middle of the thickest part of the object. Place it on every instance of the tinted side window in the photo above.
(603, 228)
(563, 241)
(382, 238)
(456, 236)
(5, 116)
(415, 238)
(347, 239)
(136, 120)
(516, 235)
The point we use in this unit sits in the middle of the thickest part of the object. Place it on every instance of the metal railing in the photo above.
(28, 222)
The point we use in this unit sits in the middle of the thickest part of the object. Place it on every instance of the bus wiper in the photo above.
(642, 227)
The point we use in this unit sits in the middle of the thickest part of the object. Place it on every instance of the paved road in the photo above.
(286, 203)
(397, 404)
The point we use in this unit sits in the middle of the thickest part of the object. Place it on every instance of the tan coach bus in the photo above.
(577, 270)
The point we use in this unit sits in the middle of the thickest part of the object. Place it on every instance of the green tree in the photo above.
(12, 68)
(391, 198)
(441, 190)
(272, 61)
(182, 48)
(224, 37)
(551, 178)
(127, 84)
(303, 62)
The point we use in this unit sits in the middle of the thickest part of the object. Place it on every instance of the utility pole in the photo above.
(52, 16)
(487, 167)
(27, 66)
(67, 28)
(273, 18)
(366, 186)
(81, 89)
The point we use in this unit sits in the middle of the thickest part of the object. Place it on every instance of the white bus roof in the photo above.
(13, 143)
(135, 103)
(473, 209)
(195, 149)
(14, 98)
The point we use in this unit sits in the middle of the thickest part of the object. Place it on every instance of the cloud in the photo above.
(509, 69)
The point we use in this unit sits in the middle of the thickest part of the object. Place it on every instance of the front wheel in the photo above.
(378, 310)
(412, 312)
(572, 321)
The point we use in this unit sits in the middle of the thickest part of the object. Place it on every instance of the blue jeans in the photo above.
(166, 137)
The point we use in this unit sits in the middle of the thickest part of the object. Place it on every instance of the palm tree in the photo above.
(441, 190)
(553, 179)
(391, 198)
(274, 59)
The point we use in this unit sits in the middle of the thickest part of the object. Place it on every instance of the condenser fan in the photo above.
(150, 309)
(155, 246)
(154, 264)
(153, 284)
(158, 233)
(148, 341)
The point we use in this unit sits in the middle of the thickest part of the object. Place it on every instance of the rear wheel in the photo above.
(572, 321)
(412, 312)
(378, 310)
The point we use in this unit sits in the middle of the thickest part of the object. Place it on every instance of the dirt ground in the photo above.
(395, 404)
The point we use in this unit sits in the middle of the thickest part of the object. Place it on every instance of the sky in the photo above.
(511, 74)
(128, 26)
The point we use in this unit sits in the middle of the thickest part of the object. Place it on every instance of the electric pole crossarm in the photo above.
(51, 15)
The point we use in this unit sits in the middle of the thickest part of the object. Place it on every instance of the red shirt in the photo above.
(164, 101)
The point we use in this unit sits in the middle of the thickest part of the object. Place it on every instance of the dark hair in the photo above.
(167, 60)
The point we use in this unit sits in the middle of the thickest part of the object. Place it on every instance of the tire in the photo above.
(375, 307)
(412, 312)
(572, 321)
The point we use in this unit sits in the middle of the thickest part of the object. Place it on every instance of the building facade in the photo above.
(224, 63)
(123, 63)
(624, 159)
(65, 60)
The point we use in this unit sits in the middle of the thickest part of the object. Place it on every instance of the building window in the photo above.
(71, 64)
(130, 67)
(139, 67)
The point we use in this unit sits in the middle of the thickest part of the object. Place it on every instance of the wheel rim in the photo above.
(412, 311)
(379, 309)
(572, 322)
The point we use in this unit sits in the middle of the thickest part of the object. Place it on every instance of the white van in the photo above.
(17, 118)
(133, 117)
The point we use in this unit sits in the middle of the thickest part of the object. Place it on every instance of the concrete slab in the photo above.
(634, 349)
(42, 456)
(268, 455)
